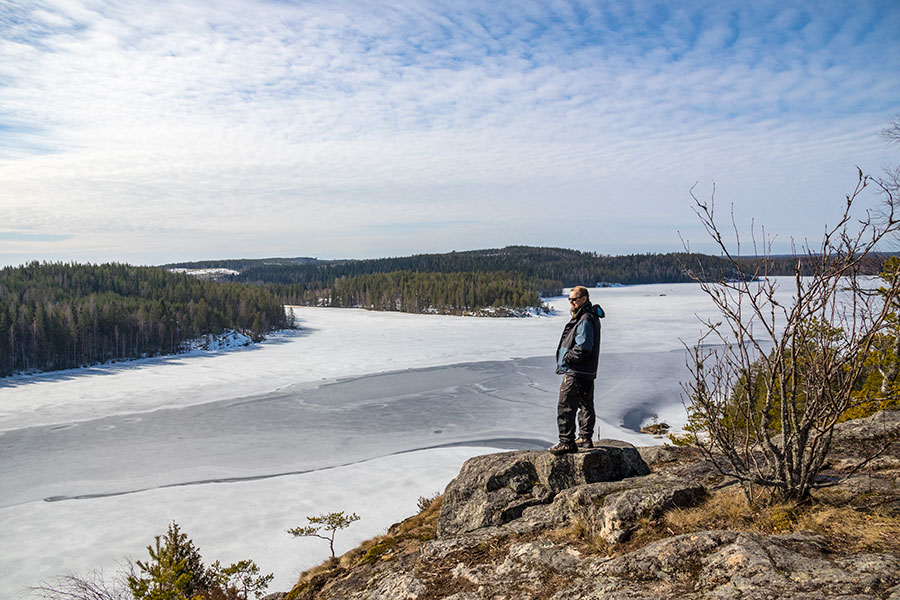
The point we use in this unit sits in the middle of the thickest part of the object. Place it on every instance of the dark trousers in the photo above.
(576, 395)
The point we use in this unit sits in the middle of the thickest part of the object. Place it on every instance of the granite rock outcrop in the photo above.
(494, 489)
(514, 525)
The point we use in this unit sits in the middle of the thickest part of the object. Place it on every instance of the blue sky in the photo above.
(151, 132)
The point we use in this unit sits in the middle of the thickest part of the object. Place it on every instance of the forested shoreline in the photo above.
(60, 316)
(548, 268)
(461, 282)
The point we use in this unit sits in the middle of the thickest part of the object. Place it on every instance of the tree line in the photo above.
(553, 267)
(545, 271)
(59, 316)
(416, 292)
(410, 291)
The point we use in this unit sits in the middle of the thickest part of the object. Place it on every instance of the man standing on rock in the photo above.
(576, 360)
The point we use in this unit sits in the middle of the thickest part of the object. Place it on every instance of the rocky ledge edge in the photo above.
(509, 523)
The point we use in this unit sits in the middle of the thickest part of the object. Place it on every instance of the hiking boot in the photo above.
(563, 448)
(584, 442)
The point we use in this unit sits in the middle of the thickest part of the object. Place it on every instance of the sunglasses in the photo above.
(572, 300)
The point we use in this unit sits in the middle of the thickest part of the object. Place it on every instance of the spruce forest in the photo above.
(547, 269)
(60, 316)
(411, 291)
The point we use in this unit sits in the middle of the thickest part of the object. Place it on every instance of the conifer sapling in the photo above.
(330, 522)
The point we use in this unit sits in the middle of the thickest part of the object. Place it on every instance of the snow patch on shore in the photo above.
(205, 273)
(510, 312)
(227, 340)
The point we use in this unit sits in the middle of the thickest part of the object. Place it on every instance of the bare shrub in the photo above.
(769, 380)
(94, 586)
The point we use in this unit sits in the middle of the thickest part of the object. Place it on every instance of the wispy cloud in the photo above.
(19, 236)
(166, 130)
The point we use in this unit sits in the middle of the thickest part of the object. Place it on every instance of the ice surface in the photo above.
(359, 411)
(340, 343)
(227, 521)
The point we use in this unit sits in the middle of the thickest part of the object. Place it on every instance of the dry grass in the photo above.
(402, 537)
(727, 509)
(422, 526)
(847, 528)
(854, 530)
(577, 533)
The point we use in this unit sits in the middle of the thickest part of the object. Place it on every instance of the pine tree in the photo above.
(329, 522)
(174, 572)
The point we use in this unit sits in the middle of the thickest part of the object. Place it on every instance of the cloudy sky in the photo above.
(157, 131)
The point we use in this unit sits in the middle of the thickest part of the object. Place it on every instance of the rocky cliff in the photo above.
(623, 522)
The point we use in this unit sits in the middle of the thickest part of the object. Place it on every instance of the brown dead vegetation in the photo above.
(402, 538)
(846, 527)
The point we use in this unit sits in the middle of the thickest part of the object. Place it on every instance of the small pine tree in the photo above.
(327, 522)
(174, 572)
(240, 580)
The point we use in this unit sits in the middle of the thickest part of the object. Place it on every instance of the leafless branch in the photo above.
(770, 380)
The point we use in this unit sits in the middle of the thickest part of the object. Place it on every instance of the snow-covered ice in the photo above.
(359, 411)
(227, 521)
(342, 343)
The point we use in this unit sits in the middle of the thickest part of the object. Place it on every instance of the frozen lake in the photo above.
(359, 411)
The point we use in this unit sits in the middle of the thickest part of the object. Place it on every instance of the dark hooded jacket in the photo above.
(579, 346)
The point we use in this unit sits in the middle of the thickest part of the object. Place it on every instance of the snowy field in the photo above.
(360, 411)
